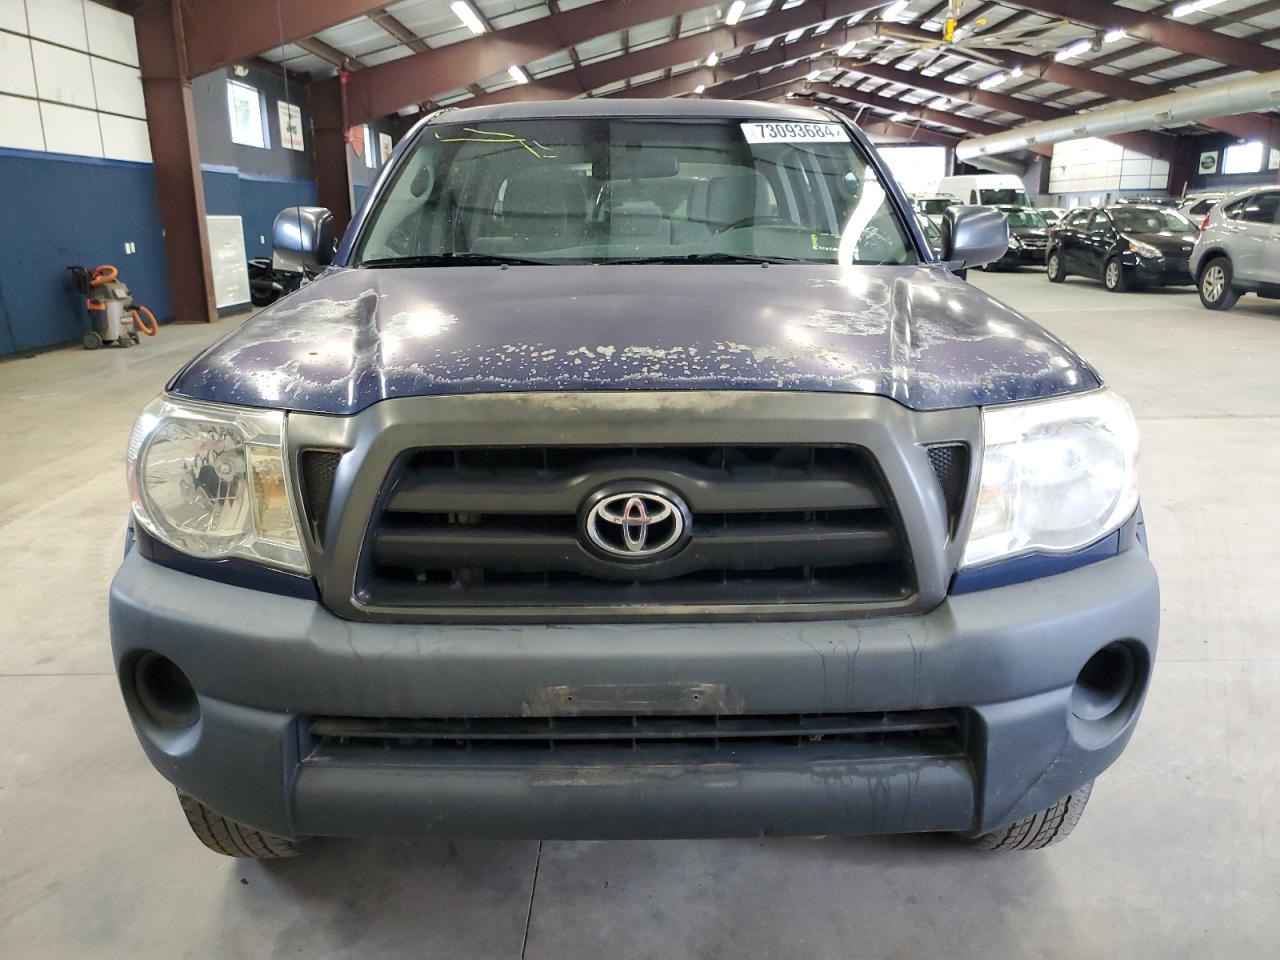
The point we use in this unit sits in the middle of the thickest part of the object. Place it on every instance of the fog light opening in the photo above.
(164, 693)
(1106, 683)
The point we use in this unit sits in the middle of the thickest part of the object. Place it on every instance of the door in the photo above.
(1073, 233)
(1254, 237)
(1098, 242)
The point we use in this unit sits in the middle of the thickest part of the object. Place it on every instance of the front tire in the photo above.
(1214, 286)
(1054, 268)
(1042, 829)
(1113, 276)
(232, 839)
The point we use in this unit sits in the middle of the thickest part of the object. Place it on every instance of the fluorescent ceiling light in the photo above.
(1194, 6)
(794, 35)
(1114, 36)
(518, 75)
(700, 89)
(1015, 72)
(1082, 45)
(993, 81)
(467, 14)
(713, 58)
(736, 10)
(895, 8)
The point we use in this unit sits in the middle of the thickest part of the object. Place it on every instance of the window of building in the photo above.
(248, 115)
(1242, 158)
(370, 149)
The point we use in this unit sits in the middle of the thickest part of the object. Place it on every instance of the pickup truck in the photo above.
(634, 469)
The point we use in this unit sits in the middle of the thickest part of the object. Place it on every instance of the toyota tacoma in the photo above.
(634, 469)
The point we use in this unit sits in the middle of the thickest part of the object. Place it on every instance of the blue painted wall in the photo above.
(256, 200)
(56, 211)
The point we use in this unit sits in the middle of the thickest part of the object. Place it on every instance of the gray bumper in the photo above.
(1006, 658)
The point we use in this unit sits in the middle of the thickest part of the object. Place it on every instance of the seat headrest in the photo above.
(735, 197)
(543, 203)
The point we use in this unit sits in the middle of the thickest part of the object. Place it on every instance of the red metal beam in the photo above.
(1161, 32)
(175, 154)
(387, 87)
(219, 32)
(972, 125)
(903, 131)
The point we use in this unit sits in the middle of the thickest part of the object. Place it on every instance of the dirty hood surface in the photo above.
(916, 334)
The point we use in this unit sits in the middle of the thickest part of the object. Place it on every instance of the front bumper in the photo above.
(1167, 271)
(1005, 659)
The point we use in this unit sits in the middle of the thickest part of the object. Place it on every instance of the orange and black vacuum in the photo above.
(114, 317)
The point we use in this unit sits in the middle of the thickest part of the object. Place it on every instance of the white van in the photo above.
(988, 189)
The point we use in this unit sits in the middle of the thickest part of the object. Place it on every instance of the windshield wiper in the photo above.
(463, 259)
(703, 258)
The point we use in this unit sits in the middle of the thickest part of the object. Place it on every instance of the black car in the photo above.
(1028, 238)
(1123, 245)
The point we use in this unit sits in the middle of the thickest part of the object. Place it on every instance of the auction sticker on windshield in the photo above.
(794, 132)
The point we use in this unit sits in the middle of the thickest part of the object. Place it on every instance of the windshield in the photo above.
(938, 205)
(1050, 216)
(1149, 220)
(1023, 218)
(595, 190)
(995, 198)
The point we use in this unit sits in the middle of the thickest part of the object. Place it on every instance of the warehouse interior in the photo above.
(148, 146)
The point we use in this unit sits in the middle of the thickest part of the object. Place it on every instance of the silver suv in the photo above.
(1239, 249)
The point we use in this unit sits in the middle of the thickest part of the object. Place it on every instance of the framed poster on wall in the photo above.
(290, 125)
(1209, 161)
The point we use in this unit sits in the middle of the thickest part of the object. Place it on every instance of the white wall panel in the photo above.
(58, 21)
(118, 88)
(71, 130)
(17, 75)
(63, 75)
(20, 124)
(13, 16)
(110, 33)
(124, 138)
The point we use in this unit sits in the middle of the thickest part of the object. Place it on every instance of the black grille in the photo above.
(318, 468)
(950, 463)
(329, 735)
(499, 527)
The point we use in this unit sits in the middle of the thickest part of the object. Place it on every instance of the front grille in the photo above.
(329, 736)
(502, 528)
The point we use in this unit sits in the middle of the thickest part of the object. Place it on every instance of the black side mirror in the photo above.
(972, 236)
(303, 240)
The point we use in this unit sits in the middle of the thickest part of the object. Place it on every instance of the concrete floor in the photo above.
(1178, 855)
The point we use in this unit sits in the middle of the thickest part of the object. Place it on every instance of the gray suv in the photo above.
(1238, 251)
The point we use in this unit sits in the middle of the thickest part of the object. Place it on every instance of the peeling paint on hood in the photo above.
(916, 334)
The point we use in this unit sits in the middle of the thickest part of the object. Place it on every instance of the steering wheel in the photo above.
(760, 221)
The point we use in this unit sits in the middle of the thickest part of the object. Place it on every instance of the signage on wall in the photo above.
(1209, 161)
(386, 144)
(355, 137)
(290, 125)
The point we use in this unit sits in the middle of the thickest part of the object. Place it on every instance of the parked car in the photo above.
(1052, 215)
(1028, 238)
(1123, 245)
(932, 232)
(990, 189)
(1239, 249)
(1196, 206)
(933, 204)
(541, 514)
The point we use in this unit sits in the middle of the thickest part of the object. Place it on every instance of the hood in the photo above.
(1169, 244)
(917, 334)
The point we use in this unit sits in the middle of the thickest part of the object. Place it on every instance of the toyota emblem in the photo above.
(636, 524)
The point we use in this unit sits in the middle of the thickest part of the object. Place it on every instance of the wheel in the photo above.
(1053, 267)
(1113, 277)
(123, 341)
(1041, 829)
(1215, 288)
(133, 335)
(91, 341)
(233, 839)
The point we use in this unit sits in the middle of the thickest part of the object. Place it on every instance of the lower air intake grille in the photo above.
(629, 732)
(950, 463)
(318, 469)
(504, 528)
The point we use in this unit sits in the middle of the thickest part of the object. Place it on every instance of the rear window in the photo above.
(1149, 220)
(1013, 198)
(592, 190)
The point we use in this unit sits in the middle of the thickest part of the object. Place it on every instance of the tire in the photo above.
(1113, 277)
(233, 839)
(91, 341)
(1039, 830)
(1053, 267)
(1214, 285)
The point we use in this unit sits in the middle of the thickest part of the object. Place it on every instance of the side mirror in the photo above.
(303, 240)
(972, 236)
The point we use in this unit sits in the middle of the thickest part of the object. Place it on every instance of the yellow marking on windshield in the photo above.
(497, 136)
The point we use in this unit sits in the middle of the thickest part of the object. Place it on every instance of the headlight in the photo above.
(1056, 476)
(1145, 250)
(1015, 243)
(212, 482)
